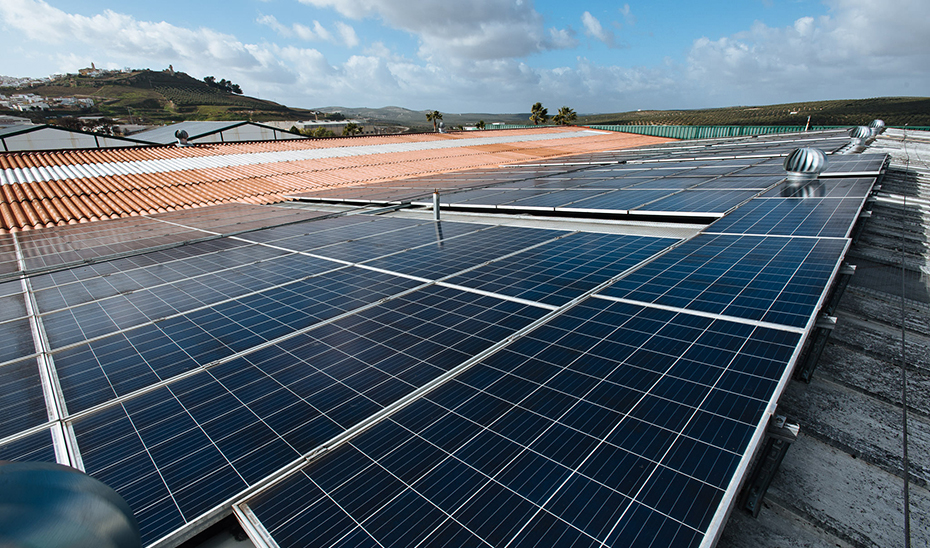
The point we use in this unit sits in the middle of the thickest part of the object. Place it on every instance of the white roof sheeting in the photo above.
(78, 171)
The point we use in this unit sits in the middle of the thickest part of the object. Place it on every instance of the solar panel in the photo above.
(618, 200)
(822, 217)
(706, 201)
(22, 402)
(202, 438)
(839, 187)
(774, 280)
(611, 425)
(441, 379)
(115, 365)
(846, 165)
(12, 301)
(35, 447)
(557, 272)
(451, 256)
(8, 262)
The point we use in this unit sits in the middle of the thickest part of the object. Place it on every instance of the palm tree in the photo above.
(480, 124)
(434, 117)
(539, 114)
(565, 116)
(352, 129)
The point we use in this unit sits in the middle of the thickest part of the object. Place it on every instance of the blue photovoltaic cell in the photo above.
(671, 183)
(211, 434)
(185, 253)
(36, 447)
(612, 425)
(839, 164)
(824, 188)
(759, 183)
(559, 198)
(133, 276)
(620, 199)
(323, 227)
(823, 217)
(560, 271)
(456, 254)
(704, 201)
(22, 402)
(116, 365)
(626, 181)
(16, 340)
(377, 245)
(777, 280)
(12, 301)
(102, 317)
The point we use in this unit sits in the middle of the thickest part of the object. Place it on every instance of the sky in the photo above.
(492, 56)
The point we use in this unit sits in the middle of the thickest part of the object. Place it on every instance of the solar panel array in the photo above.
(378, 380)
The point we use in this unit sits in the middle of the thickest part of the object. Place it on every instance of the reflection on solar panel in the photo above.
(774, 280)
(613, 425)
(821, 217)
(557, 272)
(391, 380)
(706, 201)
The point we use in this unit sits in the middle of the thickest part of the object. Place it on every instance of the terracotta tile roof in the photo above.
(43, 189)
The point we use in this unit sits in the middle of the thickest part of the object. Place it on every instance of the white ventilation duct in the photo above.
(877, 127)
(805, 164)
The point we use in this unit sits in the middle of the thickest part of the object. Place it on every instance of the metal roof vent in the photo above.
(877, 126)
(805, 164)
(181, 136)
(859, 136)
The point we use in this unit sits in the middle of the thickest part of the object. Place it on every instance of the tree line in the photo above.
(538, 115)
(223, 85)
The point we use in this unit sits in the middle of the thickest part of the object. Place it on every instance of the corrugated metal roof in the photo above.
(47, 189)
(165, 135)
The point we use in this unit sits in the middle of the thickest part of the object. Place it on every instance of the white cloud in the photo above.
(594, 29)
(627, 14)
(345, 34)
(862, 48)
(464, 29)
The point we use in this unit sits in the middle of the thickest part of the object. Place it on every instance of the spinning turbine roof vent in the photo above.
(805, 164)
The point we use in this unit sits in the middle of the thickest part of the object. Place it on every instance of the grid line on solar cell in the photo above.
(621, 200)
(37, 446)
(705, 201)
(22, 400)
(447, 257)
(379, 245)
(464, 423)
(556, 272)
(301, 392)
(102, 317)
(775, 280)
(818, 217)
(839, 187)
(115, 365)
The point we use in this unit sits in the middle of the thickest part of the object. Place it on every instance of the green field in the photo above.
(895, 111)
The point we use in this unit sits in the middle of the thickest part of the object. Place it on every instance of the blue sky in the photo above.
(492, 55)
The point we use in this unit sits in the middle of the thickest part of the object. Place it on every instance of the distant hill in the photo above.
(895, 111)
(159, 97)
(416, 119)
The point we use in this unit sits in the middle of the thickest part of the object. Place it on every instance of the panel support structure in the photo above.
(843, 276)
(860, 226)
(818, 341)
(779, 437)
